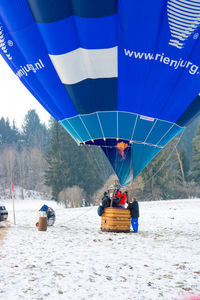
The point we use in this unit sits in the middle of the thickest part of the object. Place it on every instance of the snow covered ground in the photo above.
(75, 260)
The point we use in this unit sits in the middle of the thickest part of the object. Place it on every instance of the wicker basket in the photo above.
(116, 220)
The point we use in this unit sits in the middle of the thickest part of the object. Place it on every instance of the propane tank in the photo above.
(42, 221)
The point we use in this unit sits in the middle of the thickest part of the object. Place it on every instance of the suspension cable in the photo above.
(169, 156)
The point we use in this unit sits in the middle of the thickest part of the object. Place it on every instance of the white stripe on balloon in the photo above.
(80, 64)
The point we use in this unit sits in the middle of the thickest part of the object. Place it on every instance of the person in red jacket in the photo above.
(122, 197)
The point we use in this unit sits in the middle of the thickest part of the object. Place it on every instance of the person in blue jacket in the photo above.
(44, 208)
(134, 208)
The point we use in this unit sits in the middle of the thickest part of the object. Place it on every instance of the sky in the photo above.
(15, 99)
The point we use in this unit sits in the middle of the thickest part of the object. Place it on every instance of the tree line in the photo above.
(47, 159)
(72, 169)
(175, 172)
(22, 153)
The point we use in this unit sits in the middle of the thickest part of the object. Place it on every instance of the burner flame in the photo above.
(121, 147)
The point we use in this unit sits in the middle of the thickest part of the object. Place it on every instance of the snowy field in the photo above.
(75, 260)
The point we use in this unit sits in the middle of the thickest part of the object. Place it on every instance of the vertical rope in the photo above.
(131, 169)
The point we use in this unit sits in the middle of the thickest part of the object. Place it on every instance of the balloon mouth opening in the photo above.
(110, 142)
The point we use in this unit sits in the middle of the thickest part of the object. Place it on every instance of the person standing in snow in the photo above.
(134, 208)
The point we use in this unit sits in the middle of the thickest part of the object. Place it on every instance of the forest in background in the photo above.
(46, 159)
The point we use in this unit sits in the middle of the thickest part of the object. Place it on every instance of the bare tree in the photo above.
(72, 196)
(22, 159)
(110, 182)
(9, 164)
(182, 175)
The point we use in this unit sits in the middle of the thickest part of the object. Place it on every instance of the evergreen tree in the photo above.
(35, 133)
(196, 156)
(57, 173)
(8, 134)
(15, 133)
(187, 137)
(159, 175)
(70, 164)
(2, 131)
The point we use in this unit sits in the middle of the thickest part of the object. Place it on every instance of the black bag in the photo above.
(100, 210)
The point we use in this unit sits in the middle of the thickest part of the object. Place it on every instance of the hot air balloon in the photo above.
(119, 74)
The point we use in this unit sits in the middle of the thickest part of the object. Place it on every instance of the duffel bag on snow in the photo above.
(100, 210)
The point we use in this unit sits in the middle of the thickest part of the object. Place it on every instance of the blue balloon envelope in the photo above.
(120, 74)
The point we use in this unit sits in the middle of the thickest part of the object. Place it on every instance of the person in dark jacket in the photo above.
(134, 208)
(105, 200)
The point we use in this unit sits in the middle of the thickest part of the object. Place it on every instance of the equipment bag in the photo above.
(100, 210)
